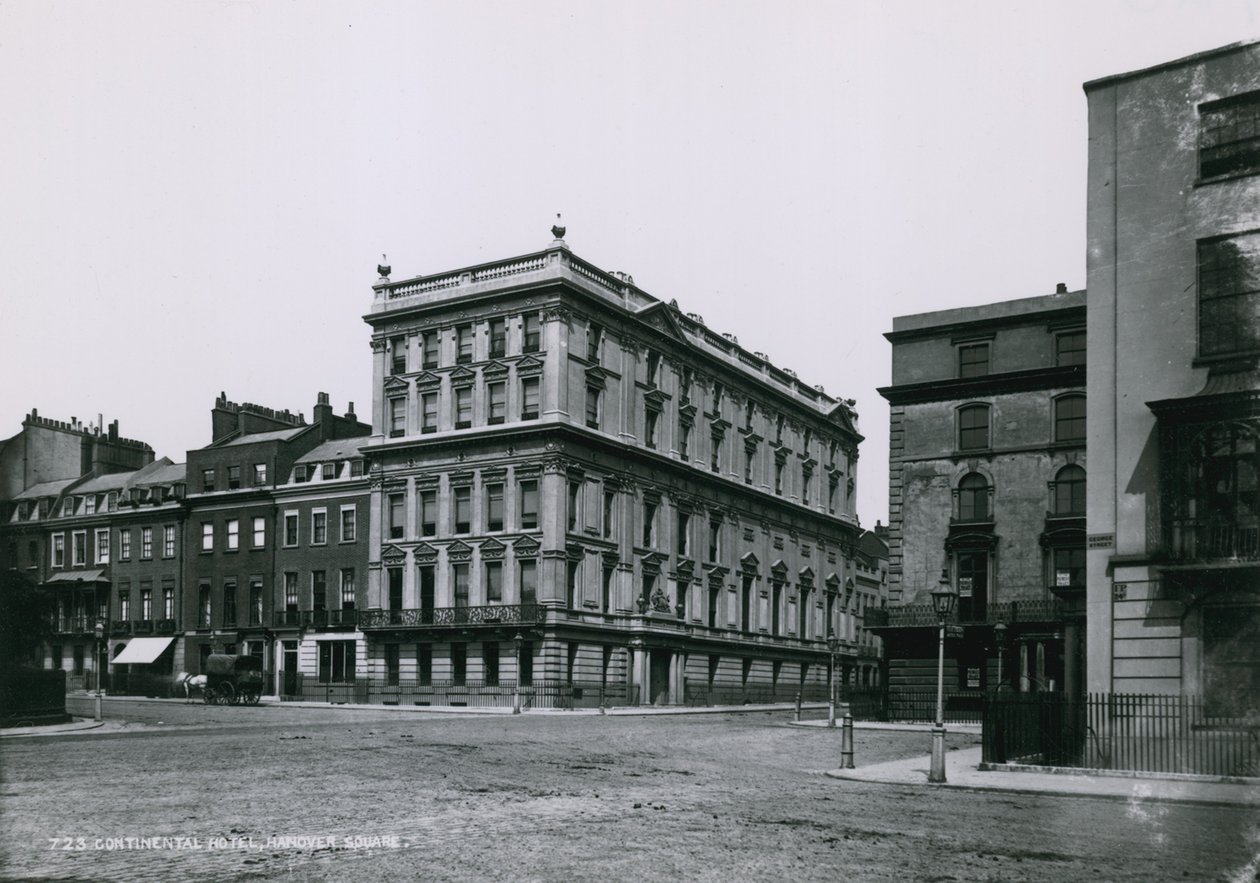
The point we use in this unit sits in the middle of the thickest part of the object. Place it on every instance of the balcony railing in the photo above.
(1034, 610)
(120, 628)
(320, 619)
(1215, 540)
(74, 625)
(443, 617)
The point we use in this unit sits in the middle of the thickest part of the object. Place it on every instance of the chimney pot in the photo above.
(1061, 288)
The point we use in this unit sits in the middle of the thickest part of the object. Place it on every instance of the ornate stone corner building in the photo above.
(1174, 379)
(572, 481)
(987, 491)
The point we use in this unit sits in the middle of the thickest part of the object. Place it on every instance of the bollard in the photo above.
(846, 744)
(603, 701)
(798, 706)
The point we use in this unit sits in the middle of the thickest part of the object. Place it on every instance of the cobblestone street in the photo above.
(555, 796)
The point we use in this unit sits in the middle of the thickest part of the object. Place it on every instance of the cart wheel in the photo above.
(252, 698)
(227, 695)
(207, 695)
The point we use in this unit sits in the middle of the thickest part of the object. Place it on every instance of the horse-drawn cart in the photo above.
(232, 680)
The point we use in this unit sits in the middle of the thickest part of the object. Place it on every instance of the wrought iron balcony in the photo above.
(142, 627)
(120, 628)
(165, 627)
(919, 615)
(74, 625)
(445, 617)
(320, 619)
(1215, 540)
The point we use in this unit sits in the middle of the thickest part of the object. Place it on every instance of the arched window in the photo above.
(973, 427)
(1069, 418)
(973, 498)
(1069, 491)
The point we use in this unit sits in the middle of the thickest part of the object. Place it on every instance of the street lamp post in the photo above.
(833, 645)
(943, 603)
(516, 691)
(99, 631)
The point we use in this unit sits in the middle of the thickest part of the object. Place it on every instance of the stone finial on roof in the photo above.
(384, 268)
(558, 229)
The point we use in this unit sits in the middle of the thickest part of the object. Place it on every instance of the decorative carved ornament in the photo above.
(424, 554)
(492, 550)
(392, 555)
(458, 551)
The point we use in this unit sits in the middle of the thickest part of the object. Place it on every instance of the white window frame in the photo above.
(207, 536)
(77, 559)
(232, 531)
(102, 545)
(146, 543)
(316, 513)
(168, 541)
(124, 544)
(354, 524)
(297, 529)
(258, 527)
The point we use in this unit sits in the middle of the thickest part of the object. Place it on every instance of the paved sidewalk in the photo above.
(969, 729)
(78, 725)
(962, 772)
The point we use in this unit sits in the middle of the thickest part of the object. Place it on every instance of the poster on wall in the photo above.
(1063, 578)
(973, 678)
(964, 586)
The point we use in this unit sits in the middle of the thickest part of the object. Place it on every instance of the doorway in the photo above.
(658, 677)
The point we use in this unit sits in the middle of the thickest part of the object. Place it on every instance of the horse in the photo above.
(190, 683)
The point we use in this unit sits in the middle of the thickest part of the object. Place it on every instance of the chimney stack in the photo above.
(1061, 288)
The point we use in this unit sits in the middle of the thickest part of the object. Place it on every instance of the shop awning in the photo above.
(76, 576)
(142, 651)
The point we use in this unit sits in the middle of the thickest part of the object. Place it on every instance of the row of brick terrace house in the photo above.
(565, 480)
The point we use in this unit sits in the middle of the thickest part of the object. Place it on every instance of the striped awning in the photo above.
(76, 576)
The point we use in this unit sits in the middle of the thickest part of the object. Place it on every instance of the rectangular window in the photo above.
(778, 476)
(529, 398)
(290, 528)
(260, 474)
(429, 343)
(459, 664)
(349, 524)
(610, 513)
(336, 662)
(328, 471)
(494, 582)
(290, 591)
(490, 659)
(571, 583)
(973, 360)
(1069, 419)
(319, 527)
(229, 603)
(424, 664)
(684, 441)
(605, 588)
(498, 338)
(652, 369)
(397, 417)
(1229, 295)
(649, 524)
(207, 480)
(203, 605)
(594, 342)
(347, 588)
(715, 538)
(463, 509)
(255, 601)
(67, 507)
(168, 602)
(59, 550)
(532, 330)
(749, 459)
(463, 344)
(496, 403)
(592, 407)
(80, 548)
(259, 532)
(973, 427)
(650, 420)
(397, 516)
(1229, 136)
(428, 513)
(429, 412)
(398, 355)
(682, 539)
(715, 454)
(124, 603)
(233, 534)
(234, 478)
(124, 544)
(527, 581)
(299, 473)
(494, 507)
(1069, 348)
(1069, 568)
(459, 583)
(575, 505)
(102, 546)
(146, 543)
(529, 505)
(463, 407)
(168, 541)
(89, 505)
(319, 590)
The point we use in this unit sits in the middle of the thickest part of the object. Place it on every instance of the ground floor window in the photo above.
(336, 662)
(391, 664)
(490, 658)
(78, 659)
(459, 664)
(1231, 659)
(424, 664)
(526, 663)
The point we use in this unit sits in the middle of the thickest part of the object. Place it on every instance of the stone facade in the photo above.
(1174, 391)
(574, 482)
(986, 492)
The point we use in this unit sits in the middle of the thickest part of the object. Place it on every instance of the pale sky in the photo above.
(195, 196)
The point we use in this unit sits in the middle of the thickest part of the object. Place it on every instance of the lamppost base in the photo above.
(936, 773)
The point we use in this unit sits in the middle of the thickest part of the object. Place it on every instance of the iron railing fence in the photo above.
(296, 686)
(1121, 731)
